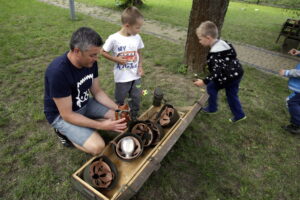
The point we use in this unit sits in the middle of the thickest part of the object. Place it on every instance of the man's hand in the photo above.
(117, 125)
(199, 83)
(121, 60)
(281, 72)
(294, 52)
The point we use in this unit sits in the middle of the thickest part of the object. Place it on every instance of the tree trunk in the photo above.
(202, 10)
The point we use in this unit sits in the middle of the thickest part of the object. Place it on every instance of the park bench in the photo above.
(291, 31)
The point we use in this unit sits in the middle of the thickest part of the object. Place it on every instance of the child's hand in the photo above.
(199, 83)
(281, 72)
(121, 60)
(293, 52)
(140, 71)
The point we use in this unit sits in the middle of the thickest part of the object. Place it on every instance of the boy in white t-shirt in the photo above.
(125, 47)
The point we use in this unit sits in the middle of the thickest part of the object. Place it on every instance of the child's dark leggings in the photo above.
(294, 109)
(133, 90)
(232, 98)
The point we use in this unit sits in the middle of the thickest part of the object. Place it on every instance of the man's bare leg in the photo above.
(93, 145)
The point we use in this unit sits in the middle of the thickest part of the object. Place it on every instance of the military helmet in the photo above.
(101, 173)
(128, 146)
(167, 116)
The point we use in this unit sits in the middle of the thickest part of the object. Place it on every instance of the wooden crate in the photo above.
(134, 173)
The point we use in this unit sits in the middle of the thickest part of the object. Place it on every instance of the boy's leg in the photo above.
(135, 95)
(212, 90)
(233, 99)
(294, 109)
(121, 91)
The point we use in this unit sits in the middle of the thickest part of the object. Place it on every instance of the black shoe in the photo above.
(63, 139)
(292, 128)
(206, 110)
(233, 120)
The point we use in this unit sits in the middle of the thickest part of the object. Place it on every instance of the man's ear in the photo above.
(76, 50)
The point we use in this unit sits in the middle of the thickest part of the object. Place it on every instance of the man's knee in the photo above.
(97, 148)
(95, 144)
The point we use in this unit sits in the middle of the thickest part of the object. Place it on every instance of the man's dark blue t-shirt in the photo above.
(63, 79)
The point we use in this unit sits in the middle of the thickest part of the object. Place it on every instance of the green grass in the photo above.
(242, 22)
(213, 159)
(279, 3)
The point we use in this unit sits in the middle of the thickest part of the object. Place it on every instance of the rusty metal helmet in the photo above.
(143, 130)
(101, 173)
(128, 146)
(123, 111)
(157, 131)
(167, 116)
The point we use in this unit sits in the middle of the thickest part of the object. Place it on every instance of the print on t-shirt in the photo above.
(131, 57)
(83, 95)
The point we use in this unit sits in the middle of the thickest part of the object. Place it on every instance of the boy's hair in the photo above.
(130, 15)
(84, 37)
(208, 28)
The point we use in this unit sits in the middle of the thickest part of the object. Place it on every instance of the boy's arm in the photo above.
(290, 73)
(116, 59)
(140, 64)
(215, 74)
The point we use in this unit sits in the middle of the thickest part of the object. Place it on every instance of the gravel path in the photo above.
(262, 59)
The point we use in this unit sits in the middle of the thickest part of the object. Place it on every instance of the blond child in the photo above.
(225, 71)
(125, 48)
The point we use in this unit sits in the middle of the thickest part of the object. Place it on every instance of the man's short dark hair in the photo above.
(84, 37)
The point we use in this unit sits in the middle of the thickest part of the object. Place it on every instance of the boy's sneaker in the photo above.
(63, 139)
(205, 110)
(292, 128)
(233, 120)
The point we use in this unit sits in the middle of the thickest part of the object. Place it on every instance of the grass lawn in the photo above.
(213, 159)
(246, 23)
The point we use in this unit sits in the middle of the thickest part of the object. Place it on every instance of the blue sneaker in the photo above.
(205, 110)
(233, 120)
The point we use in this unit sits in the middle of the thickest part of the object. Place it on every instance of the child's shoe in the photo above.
(292, 128)
(233, 120)
(206, 110)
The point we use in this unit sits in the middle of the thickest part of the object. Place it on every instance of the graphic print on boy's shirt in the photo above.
(131, 57)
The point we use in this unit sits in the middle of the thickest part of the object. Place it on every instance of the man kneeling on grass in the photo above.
(68, 107)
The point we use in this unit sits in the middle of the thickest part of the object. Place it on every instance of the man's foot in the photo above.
(234, 120)
(292, 128)
(206, 110)
(63, 139)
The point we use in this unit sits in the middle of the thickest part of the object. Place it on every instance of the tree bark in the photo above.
(202, 10)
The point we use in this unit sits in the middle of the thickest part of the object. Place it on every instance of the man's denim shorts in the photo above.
(77, 134)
